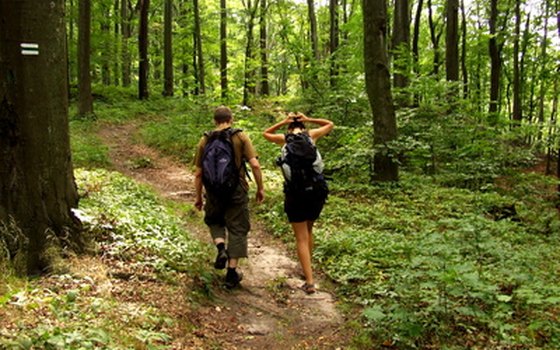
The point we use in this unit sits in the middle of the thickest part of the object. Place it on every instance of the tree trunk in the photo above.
(143, 50)
(434, 36)
(415, 39)
(248, 83)
(125, 32)
(201, 88)
(116, 51)
(400, 46)
(452, 41)
(265, 90)
(495, 63)
(223, 49)
(464, 69)
(333, 40)
(85, 100)
(37, 189)
(543, 59)
(378, 85)
(517, 108)
(168, 49)
(313, 28)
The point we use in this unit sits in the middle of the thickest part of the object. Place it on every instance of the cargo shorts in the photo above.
(229, 219)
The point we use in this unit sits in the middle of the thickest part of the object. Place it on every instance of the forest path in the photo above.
(268, 311)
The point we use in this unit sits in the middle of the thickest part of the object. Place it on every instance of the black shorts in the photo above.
(307, 205)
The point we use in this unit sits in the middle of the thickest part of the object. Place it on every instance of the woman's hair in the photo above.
(222, 114)
(295, 125)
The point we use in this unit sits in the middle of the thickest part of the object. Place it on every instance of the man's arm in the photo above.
(257, 173)
(198, 188)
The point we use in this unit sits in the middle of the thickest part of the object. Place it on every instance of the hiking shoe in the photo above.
(221, 260)
(232, 279)
(308, 288)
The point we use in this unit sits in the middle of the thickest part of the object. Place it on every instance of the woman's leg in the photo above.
(310, 233)
(302, 243)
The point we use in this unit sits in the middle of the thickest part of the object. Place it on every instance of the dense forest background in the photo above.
(442, 226)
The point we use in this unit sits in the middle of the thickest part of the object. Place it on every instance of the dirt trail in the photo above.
(268, 311)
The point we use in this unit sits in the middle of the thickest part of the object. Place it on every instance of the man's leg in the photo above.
(214, 218)
(238, 226)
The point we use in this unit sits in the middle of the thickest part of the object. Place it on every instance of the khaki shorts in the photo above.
(229, 219)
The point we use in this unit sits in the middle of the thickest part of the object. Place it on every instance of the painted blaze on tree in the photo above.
(37, 189)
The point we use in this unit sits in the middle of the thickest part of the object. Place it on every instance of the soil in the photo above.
(268, 310)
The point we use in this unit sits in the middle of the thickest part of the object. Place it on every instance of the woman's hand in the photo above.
(302, 117)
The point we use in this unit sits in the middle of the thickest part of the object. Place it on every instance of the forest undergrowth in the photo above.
(462, 253)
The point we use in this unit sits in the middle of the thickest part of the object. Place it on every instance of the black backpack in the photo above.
(220, 174)
(301, 162)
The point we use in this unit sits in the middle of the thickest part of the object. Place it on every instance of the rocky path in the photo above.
(268, 311)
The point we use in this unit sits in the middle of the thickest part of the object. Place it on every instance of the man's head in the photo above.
(222, 115)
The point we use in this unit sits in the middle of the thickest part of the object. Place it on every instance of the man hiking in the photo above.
(220, 162)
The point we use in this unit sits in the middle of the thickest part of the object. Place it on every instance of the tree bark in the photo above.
(464, 69)
(452, 41)
(199, 69)
(378, 86)
(401, 47)
(495, 62)
(313, 29)
(168, 50)
(37, 189)
(517, 108)
(223, 49)
(85, 99)
(143, 50)
(248, 83)
(265, 90)
(434, 37)
(125, 32)
(333, 40)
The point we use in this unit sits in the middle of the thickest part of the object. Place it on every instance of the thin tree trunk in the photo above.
(400, 46)
(265, 90)
(223, 49)
(201, 88)
(378, 86)
(452, 41)
(143, 50)
(543, 60)
(37, 188)
(248, 83)
(313, 29)
(464, 69)
(168, 49)
(125, 32)
(517, 108)
(333, 40)
(85, 99)
(495, 62)
(415, 39)
(116, 50)
(434, 36)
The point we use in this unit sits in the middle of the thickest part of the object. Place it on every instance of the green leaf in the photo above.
(374, 313)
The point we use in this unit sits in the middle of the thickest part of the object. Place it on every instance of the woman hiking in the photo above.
(305, 188)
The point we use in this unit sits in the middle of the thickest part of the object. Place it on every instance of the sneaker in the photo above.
(221, 260)
(232, 279)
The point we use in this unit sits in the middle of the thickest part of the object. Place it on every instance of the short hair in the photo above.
(295, 125)
(222, 114)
